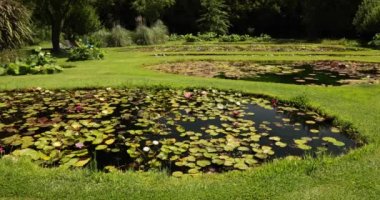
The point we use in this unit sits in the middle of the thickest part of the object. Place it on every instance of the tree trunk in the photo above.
(56, 30)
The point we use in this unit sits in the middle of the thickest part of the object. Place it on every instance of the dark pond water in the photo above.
(184, 132)
(308, 76)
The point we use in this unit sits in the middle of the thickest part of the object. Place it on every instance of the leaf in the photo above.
(101, 147)
(82, 163)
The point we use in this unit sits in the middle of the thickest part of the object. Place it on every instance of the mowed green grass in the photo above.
(353, 176)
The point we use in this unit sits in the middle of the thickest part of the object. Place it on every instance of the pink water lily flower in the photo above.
(2, 150)
(188, 95)
(79, 145)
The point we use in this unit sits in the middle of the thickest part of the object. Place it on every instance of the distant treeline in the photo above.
(278, 18)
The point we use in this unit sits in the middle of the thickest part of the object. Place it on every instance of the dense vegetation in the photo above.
(70, 20)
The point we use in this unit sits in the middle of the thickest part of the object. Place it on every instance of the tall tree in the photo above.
(151, 9)
(214, 17)
(14, 24)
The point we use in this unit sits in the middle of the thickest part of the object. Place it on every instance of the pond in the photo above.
(327, 73)
(183, 132)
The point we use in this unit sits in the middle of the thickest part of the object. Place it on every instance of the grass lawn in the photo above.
(353, 176)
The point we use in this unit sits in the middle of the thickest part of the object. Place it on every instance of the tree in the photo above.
(55, 13)
(367, 19)
(151, 9)
(14, 24)
(214, 17)
(82, 20)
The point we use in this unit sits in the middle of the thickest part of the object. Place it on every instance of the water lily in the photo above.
(108, 89)
(79, 145)
(146, 149)
(155, 142)
(204, 93)
(236, 113)
(2, 150)
(38, 88)
(235, 124)
(78, 108)
(188, 95)
(220, 106)
(274, 102)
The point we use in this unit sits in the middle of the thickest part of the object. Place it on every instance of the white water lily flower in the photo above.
(220, 106)
(146, 149)
(38, 88)
(108, 89)
(155, 142)
(238, 103)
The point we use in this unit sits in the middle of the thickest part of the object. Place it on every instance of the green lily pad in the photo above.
(203, 163)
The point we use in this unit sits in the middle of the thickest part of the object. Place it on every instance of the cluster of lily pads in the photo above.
(185, 132)
(249, 47)
(316, 73)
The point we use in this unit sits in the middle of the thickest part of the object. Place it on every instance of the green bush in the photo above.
(156, 34)
(119, 37)
(209, 36)
(263, 38)
(375, 42)
(85, 52)
(100, 38)
(231, 38)
(38, 63)
(191, 38)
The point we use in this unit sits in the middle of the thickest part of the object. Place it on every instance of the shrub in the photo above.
(157, 34)
(14, 24)
(375, 42)
(191, 38)
(85, 52)
(100, 38)
(209, 36)
(230, 38)
(160, 32)
(263, 38)
(38, 63)
(119, 37)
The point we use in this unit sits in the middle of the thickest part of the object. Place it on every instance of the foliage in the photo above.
(151, 9)
(191, 38)
(262, 38)
(209, 36)
(85, 52)
(14, 24)
(375, 42)
(367, 19)
(38, 63)
(214, 17)
(82, 20)
(40, 34)
(55, 14)
(233, 38)
(100, 38)
(156, 34)
(119, 37)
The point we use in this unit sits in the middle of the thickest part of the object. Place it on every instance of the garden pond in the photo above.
(327, 73)
(186, 132)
